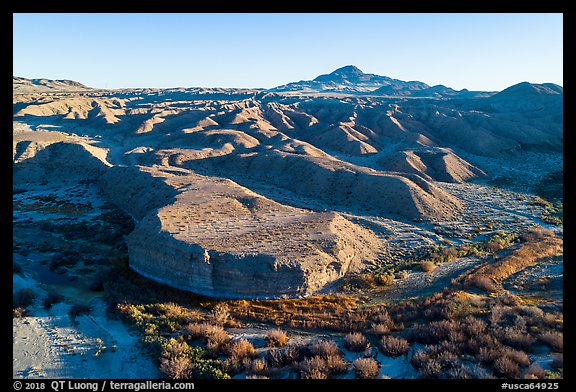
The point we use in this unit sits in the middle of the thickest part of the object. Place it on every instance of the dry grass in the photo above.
(355, 341)
(241, 349)
(335, 312)
(276, 338)
(393, 347)
(539, 244)
(366, 368)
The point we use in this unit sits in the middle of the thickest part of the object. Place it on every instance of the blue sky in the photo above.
(474, 51)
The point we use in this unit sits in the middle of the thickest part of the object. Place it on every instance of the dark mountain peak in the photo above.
(348, 70)
(352, 79)
(349, 73)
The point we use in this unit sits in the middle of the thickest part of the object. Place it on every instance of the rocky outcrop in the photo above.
(220, 239)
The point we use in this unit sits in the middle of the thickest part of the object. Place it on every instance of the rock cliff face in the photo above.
(216, 238)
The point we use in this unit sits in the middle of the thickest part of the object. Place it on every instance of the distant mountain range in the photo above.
(345, 80)
(350, 79)
(23, 85)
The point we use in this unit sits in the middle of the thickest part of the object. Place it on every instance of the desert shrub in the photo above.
(62, 260)
(363, 281)
(554, 339)
(383, 317)
(232, 366)
(505, 367)
(519, 357)
(276, 338)
(488, 355)
(336, 365)
(366, 368)
(255, 366)
(175, 367)
(427, 266)
(19, 311)
(379, 329)
(51, 299)
(216, 336)
(175, 348)
(433, 332)
(516, 338)
(534, 371)
(557, 361)
(474, 326)
(447, 358)
(325, 348)
(314, 368)
(465, 371)
(430, 369)
(419, 358)
(275, 358)
(291, 354)
(385, 279)
(382, 323)
(483, 283)
(220, 314)
(23, 298)
(402, 274)
(536, 234)
(241, 348)
(355, 341)
(79, 309)
(196, 330)
(393, 347)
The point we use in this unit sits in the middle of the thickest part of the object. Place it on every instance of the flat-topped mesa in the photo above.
(217, 238)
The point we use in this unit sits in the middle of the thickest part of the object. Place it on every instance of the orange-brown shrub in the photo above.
(325, 348)
(314, 368)
(355, 341)
(427, 266)
(393, 347)
(366, 368)
(336, 365)
(241, 349)
(506, 367)
(276, 338)
(175, 367)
